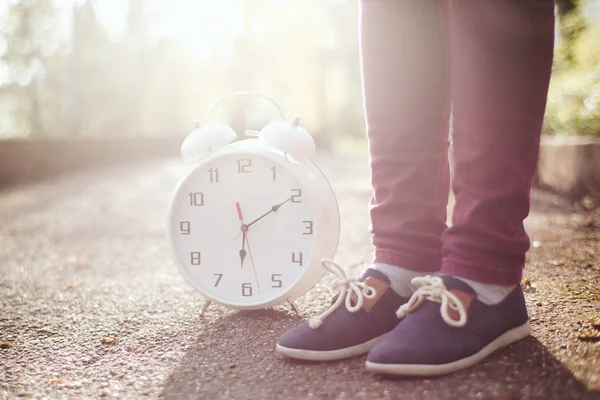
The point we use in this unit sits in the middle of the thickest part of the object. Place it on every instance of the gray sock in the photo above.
(399, 278)
(488, 293)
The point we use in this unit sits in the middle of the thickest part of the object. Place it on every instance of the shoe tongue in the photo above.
(452, 283)
(367, 272)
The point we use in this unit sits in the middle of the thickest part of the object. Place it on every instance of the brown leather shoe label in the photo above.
(465, 298)
(380, 288)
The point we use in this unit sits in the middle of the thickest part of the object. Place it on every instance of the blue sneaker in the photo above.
(434, 339)
(369, 312)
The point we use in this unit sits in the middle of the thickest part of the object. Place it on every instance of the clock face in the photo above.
(242, 228)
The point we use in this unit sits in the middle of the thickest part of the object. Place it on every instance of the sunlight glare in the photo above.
(204, 27)
(112, 14)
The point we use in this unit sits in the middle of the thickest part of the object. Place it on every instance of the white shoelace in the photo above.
(433, 288)
(349, 286)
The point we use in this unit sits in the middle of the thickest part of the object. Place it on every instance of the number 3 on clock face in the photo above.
(242, 228)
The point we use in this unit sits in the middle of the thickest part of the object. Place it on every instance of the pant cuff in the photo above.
(481, 274)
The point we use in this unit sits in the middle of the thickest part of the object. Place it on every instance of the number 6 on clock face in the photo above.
(244, 230)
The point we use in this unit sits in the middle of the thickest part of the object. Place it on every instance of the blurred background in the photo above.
(73, 70)
(149, 68)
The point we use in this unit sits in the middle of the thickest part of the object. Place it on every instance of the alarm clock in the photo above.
(252, 220)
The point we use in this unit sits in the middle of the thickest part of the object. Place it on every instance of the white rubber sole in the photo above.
(328, 355)
(507, 338)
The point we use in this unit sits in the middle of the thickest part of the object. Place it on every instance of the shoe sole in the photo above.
(328, 355)
(505, 339)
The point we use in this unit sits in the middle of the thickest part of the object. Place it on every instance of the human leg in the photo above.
(406, 100)
(405, 92)
(501, 57)
(501, 64)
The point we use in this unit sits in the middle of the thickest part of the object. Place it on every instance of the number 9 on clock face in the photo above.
(243, 228)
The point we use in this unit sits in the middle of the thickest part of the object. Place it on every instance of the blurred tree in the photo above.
(571, 26)
(88, 62)
(574, 96)
(27, 33)
(137, 46)
(565, 6)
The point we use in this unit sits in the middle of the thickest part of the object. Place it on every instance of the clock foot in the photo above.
(204, 307)
(293, 305)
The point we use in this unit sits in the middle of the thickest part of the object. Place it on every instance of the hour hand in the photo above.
(243, 251)
(242, 254)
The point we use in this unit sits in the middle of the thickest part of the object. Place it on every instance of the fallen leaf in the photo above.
(109, 340)
(226, 367)
(588, 222)
(91, 360)
(528, 286)
(589, 333)
(55, 239)
(73, 285)
(10, 232)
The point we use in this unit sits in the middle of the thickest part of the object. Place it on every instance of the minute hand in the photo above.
(273, 209)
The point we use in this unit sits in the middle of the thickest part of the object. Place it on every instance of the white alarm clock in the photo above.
(250, 223)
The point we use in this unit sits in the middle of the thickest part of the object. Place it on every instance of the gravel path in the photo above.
(92, 305)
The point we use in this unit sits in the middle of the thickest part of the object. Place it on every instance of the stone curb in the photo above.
(570, 166)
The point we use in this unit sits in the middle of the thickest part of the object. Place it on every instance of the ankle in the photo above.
(399, 278)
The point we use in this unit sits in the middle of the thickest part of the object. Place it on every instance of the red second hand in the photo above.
(252, 261)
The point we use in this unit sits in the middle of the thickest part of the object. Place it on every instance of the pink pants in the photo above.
(487, 61)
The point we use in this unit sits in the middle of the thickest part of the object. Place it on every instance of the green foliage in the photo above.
(574, 95)
(571, 25)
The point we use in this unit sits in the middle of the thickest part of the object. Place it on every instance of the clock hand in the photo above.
(243, 229)
(243, 251)
(240, 215)
(273, 209)
(252, 262)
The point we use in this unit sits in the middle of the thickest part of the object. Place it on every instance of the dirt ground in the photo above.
(92, 305)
